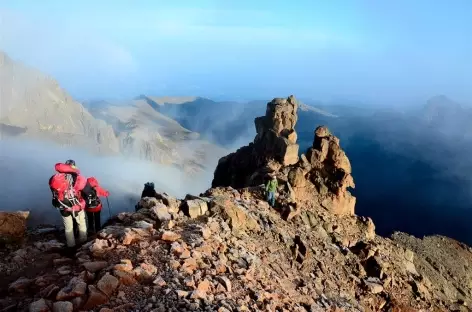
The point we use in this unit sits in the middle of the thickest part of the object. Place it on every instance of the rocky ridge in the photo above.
(227, 250)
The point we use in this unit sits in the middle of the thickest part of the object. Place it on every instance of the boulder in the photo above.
(39, 306)
(100, 246)
(95, 266)
(170, 236)
(107, 284)
(75, 288)
(195, 208)
(95, 298)
(20, 285)
(171, 202)
(148, 202)
(373, 285)
(296, 177)
(145, 272)
(237, 216)
(159, 281)
(13, 226)
(125, 278)
(135, 234)
(160, 212)
(62, 306)
(225, 282)
(141, 224)
(125, 265)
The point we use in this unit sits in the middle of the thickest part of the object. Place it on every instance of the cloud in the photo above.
(240, 27)
(57, 48)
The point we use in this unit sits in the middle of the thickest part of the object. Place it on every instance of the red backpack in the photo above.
(61, 186)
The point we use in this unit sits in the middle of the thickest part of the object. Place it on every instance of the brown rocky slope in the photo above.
(227, 250)
(33, 105)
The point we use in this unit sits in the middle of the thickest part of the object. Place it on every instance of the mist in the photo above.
(228, 123)
(27, 165)
(412, 168)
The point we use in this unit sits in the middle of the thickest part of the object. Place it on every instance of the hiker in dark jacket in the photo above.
(271, 188)
(148, 191)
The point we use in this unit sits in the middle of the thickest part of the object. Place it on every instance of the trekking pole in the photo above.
(109, 209)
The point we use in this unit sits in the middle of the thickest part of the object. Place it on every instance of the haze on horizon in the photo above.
(400, 51)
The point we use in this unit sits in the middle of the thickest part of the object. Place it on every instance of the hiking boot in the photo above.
(69, 251)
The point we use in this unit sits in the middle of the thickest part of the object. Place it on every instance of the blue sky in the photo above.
(378, 51)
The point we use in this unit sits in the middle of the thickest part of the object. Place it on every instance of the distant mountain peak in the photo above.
(3, 58)
(442, 103)
(161, 100)
(447, 115)
(308, 108)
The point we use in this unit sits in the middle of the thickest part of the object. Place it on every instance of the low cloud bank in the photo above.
(27, 165)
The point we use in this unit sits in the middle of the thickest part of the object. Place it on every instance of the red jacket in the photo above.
(100, 192)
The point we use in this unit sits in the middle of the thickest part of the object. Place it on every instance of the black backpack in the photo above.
(89, 194)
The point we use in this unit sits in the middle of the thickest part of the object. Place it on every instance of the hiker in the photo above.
(271, 188)
(148, 191)
(93, 205)
(65, 186)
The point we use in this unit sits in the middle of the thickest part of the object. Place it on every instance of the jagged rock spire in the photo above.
(276, 136)
(331, 172)
(321, 178)
(275, 142)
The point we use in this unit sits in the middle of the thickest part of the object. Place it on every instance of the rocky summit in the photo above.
(226, 250)
(321, 177)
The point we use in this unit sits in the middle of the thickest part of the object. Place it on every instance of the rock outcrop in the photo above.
(13, 226)
(321, 178)
(327, 168)
(276, 137)
(275, 141)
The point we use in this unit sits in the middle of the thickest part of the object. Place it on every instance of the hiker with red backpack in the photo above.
(66, 186)
(93, 206)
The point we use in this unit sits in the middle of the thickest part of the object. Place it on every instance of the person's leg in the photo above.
(98, 221)
(272, 199)
(82, 225)
(270, 196)
(90, 219)
(68, 228)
